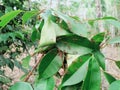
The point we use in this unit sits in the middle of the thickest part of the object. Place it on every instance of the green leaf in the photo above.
(8, 9)
(4, 79)
(48, 34)
(27, 15)
(19, 65)
(118, 64)
(109, 77)
(4, 61)
(21, 85)
(76, 71)
(22, 78)
(74, 26)
(45, 84)
(108, 18)
(13, 35)
(41, 25)
(19, 34)
(91, 22)
(74, 44)
(98, 38)
(5, 19)
(10, 64)
(3, 37)
(35, 35)
(93, 77)
(114, 23)
(60, 31)
(47, 14)
(100, 59)
(50, 64)
(115, 85)
(114, 40)
(1, 72)
(44, 49)
(25, 61)
(4, 48)
(73, 87)
(64, 25)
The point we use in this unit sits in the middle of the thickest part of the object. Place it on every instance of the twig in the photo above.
(103, 45)
(110, 59)
(31, 72)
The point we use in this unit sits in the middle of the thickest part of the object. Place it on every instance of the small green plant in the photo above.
(56, 37)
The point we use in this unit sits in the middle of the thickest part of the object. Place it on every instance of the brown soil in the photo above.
(109, 52)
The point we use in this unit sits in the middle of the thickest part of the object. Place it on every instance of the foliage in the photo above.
(23, 85)
(14, 39)
(13, 4)
(114, 85)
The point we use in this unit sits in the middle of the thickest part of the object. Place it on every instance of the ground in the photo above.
(109, 52)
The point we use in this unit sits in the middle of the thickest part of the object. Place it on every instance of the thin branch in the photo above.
(31, 72)
(103, 45)
(110, 59)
